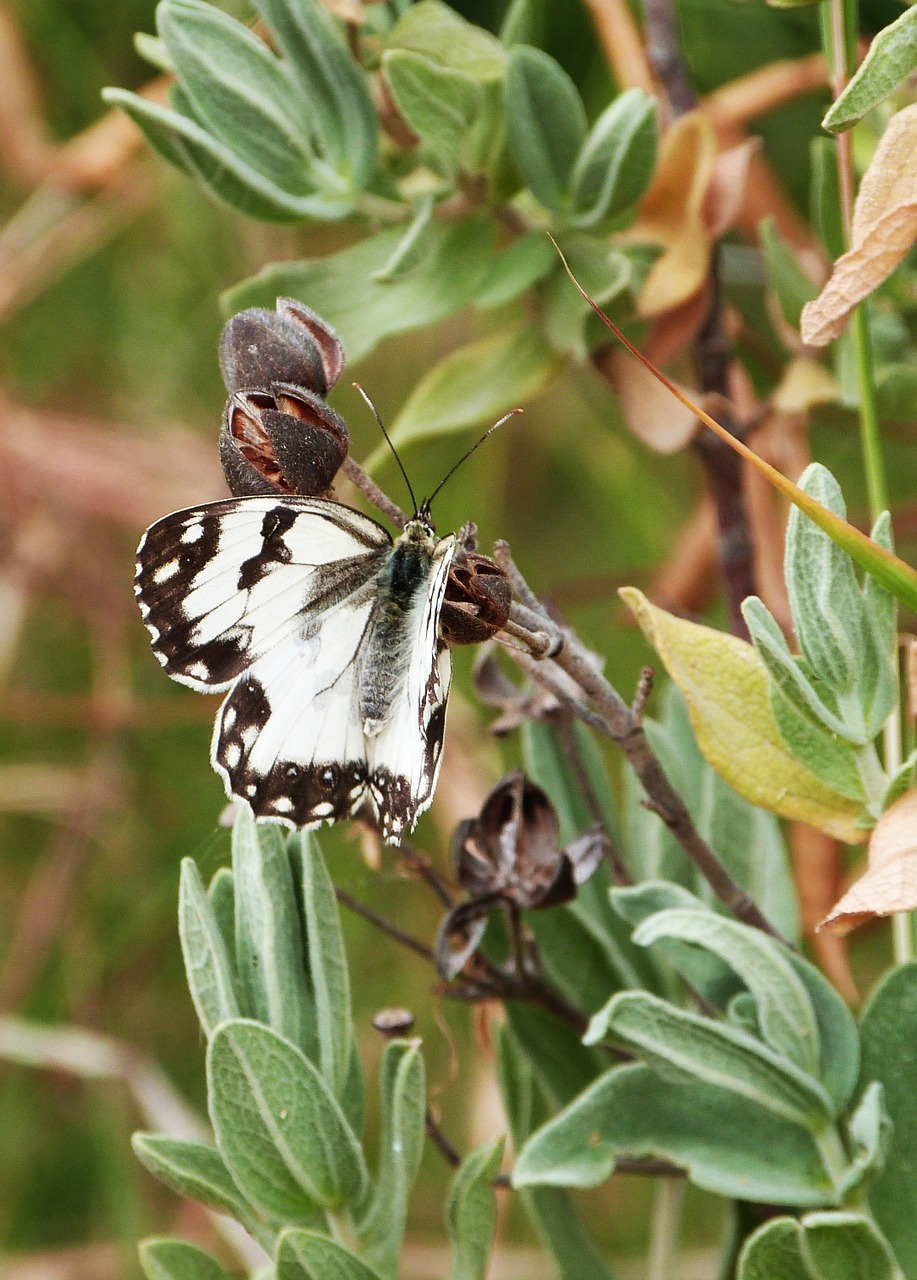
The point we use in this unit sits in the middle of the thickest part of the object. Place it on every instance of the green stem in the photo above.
(833, 1155)
(665, 1226)
(870, 442)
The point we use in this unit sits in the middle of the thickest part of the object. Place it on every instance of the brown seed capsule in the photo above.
(478, 599)
(393, 1022)
(509, 854)
(292, 345)
(284, 441)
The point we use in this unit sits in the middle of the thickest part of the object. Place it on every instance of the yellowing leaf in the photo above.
(890, 881)
(726, 686)
(805, 384)
(649, 410)
(884, 228)
(672, 214)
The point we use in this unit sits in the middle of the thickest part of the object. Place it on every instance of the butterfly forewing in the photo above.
(223, 584)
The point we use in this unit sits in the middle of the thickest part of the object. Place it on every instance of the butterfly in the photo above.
(324, 633)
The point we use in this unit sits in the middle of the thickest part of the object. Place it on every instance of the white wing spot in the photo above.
(283, 804)
(230, 718)
(323, 810)
(193, 533)
(198, 670)
(251, 789)
(167, 571)
(233, 754)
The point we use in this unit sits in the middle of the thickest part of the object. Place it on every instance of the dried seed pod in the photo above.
(478, 599)
(392, 1023)
(291, 345)
(509, 854)
(286, 441)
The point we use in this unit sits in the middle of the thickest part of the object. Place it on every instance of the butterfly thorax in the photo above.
(402, 588)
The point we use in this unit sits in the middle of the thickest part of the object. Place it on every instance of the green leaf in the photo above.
(878, 682)
(837, 1032)
(437, 31)
(176, 1260)
(830, 758)
(546, 124)
(789, 676)
(549, 1208)
(413, 247)
(278, 1126)
(476, 383)
(616, 163)
(192, 1169)
(152, 50)
(845, 1246)
(891, 60)
(307, 1255)
(328, 970)
(221, 894)
(270, 948)
(824, 593)
(402, 1085)
(791, 286)
(825, 198)
(333, 87)
(363, 311)
(725, 1142)
(207, 965)
(471, 1212)
(521, 25)
(726, 685)
(774, 1252)
(888, 1033)
(183, 142)
(515, 269)
(687, 1046)
(240, 92)
(785, 1012)
(903, 780)
(439, 105)
(871, 1131)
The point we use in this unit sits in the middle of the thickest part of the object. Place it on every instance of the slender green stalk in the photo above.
(665, 1228)
(873, 463)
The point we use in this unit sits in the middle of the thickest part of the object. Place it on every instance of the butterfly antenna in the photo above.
(388, 441)
(425, 506)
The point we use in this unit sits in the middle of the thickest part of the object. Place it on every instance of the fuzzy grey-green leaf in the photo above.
(891, 59)
(616, 163)
(340, 109)
(785, 1012)
(270, 949)
(328, 970)
(308, 1255)
(178, 1260)
(546, 123)
(878, 685)
(471, 1212)
(191, 1169)
(444, 36)
(439, 104)
(279, 1128)
(686, 1046)
(208, 967)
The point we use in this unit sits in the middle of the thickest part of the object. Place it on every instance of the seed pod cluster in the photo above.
(278, 434)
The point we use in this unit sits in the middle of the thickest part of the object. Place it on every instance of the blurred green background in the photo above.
(110, 401)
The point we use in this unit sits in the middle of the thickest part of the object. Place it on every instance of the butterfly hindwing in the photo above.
(289, 739)
(221, 585)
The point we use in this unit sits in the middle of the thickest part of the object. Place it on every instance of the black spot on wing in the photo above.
(278, 521)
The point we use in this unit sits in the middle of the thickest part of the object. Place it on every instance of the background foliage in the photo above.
(111, 270)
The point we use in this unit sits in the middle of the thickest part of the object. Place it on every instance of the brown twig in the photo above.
(373, 493)
(615, 719)
(385, 926)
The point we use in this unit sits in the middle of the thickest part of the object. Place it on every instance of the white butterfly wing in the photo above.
(222, 585)
(405, 755)
(289, 737)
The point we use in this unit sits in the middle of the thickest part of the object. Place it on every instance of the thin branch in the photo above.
(405, 939)
(423, 868)
(615, 719)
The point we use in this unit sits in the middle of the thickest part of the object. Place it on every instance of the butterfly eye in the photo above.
(292, 344)
(286, 441)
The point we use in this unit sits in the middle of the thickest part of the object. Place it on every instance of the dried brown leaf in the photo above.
(726, 193)
(672, 215)
(805, 384)
(890, 882)
(817, 871)
(884, 228)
